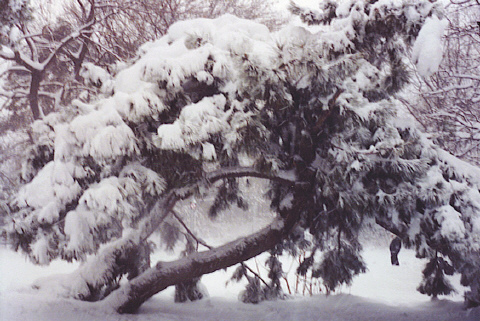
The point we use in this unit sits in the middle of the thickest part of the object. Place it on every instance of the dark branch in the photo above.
(237, 172)
(156, 216)
(189, 232)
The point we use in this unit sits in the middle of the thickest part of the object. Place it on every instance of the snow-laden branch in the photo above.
(167, 203)
(104, 268)
(235, 172)
(33, 65)
(128, 298)
(15, 69)
(473, 77)
(6, 94)
(200, 241)
(6, 53)
(65, 41)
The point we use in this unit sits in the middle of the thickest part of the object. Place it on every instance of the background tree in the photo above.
(48, 58)
(142, 21)
(36, 56)
(12, 12)
(315, 114)
(448, 102)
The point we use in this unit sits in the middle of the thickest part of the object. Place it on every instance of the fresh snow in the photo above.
(385, 292)
(97, 76)
(452, 226)
(427, 50)
(195, 124)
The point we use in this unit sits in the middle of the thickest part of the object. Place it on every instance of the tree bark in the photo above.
(33, 95)
(85, 41)
(130, 297)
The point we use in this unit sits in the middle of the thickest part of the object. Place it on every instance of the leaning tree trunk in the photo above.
(110, 263)
(132, 295)
(128, 298)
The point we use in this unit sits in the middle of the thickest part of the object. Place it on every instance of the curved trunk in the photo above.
(128, 298)
(112, 258)
(131, 296)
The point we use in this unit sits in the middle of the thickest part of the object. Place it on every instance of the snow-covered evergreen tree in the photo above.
(315, 113)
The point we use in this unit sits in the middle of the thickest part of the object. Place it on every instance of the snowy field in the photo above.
(385, 292)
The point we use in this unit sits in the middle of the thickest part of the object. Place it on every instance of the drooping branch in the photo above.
(189, 231)
(168, 201)
(389, 226)
(106, 266)
(113, 252)
(236, 172)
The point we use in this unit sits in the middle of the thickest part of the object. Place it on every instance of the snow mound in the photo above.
(383, 293)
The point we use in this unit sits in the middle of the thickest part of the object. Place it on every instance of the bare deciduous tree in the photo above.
(448, 102)
(48, 59)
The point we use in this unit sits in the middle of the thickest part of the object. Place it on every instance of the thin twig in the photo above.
(197, 239)
(202, 242)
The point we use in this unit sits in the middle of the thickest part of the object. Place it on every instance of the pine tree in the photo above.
(316, 115)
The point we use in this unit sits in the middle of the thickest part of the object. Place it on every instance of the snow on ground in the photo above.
(385, 292)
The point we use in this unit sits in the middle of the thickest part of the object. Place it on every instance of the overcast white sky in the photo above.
(54, 6)
(283, 4)
(310, 3)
